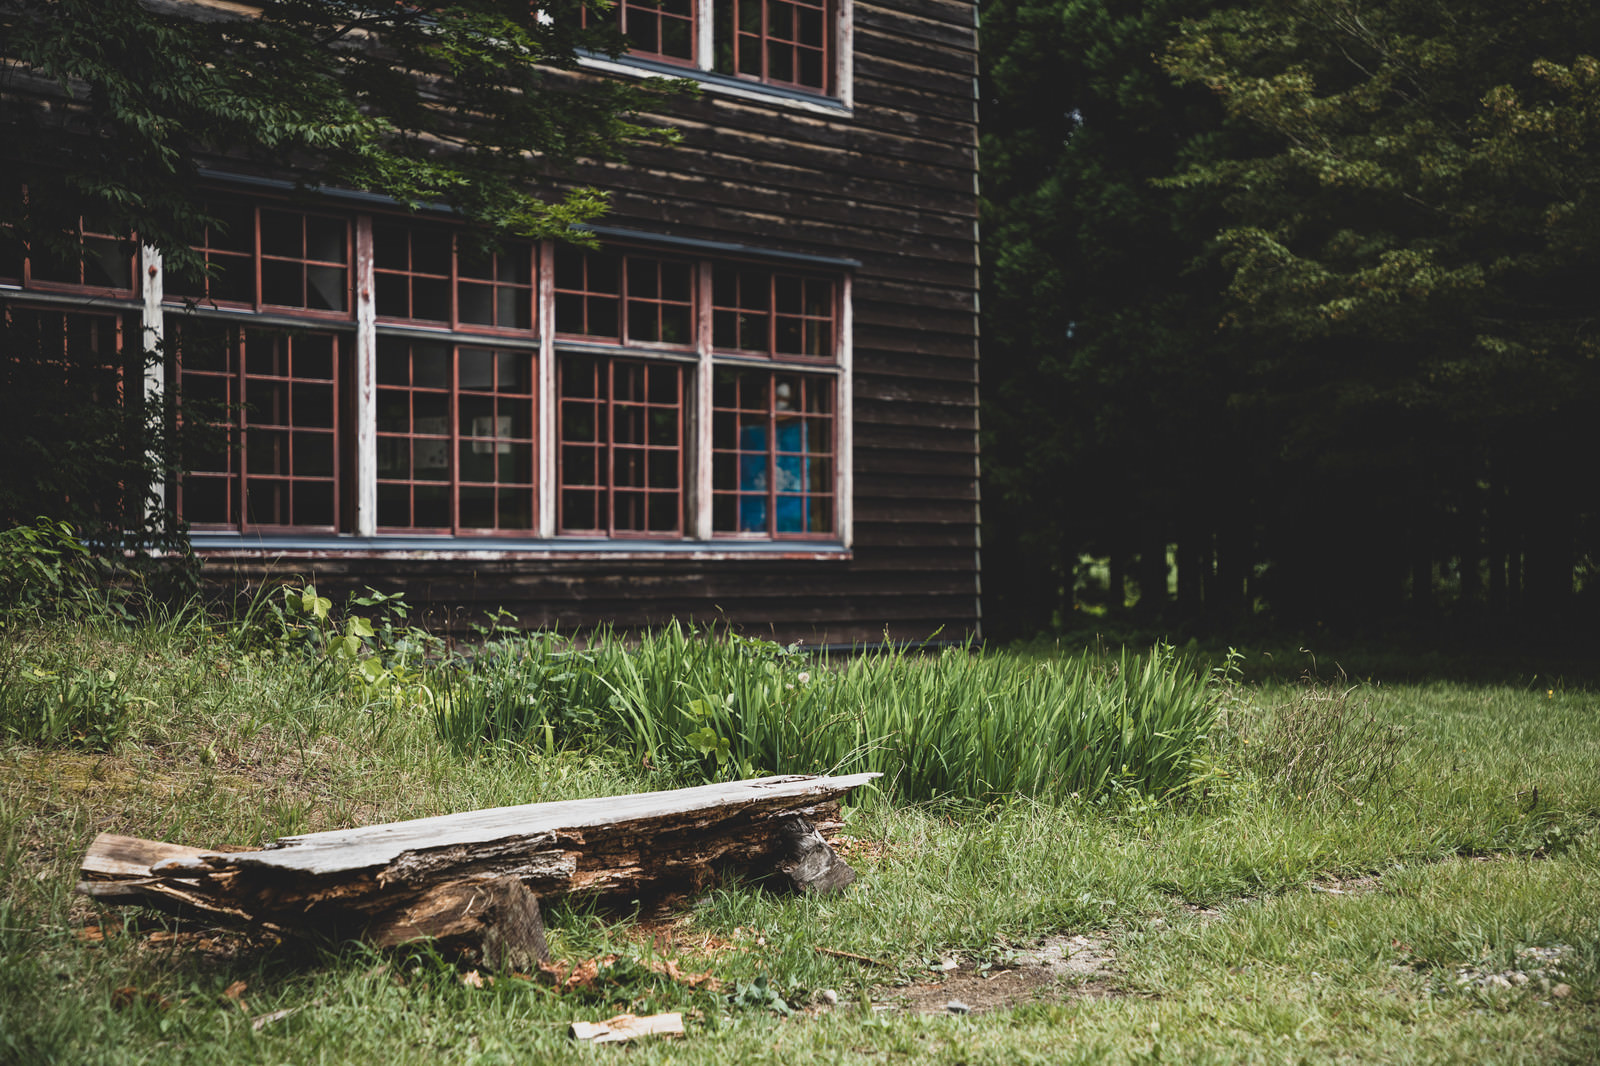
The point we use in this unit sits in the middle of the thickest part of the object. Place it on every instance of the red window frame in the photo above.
(446, 406)
(776, 314)
(618, 297)
(620, 461)
(648, 25)
(773, 454)
(779, 42)
(106, 265)
(90, 338)
(423, 274)
(294, 261)
(283, 470)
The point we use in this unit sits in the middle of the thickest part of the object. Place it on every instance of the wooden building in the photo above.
(755, 403)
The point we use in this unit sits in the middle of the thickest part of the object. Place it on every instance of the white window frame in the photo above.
(840, 101)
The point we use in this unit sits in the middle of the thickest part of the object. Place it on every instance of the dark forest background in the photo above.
(1290, 315)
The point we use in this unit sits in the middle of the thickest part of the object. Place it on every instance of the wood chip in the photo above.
(276, 1016)
(628, 1027)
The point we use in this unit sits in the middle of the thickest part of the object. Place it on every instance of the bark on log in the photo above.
(495, 921)
(451, 877)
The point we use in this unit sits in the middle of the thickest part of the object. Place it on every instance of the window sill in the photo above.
(719, 84)
(484, 549)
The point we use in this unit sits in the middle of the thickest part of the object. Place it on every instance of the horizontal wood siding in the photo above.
(891, 185)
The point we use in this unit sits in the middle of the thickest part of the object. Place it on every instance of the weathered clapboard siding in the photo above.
(890, 185)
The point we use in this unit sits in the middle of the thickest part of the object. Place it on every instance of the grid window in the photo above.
(763, 312)
(268, 257)
(624, 298)
(772, 454)
(455, 437)
(428, 274)
(664, 29)
(103, 262)
(783, 42)
(281, 393)
(621, 447)
(80, 350)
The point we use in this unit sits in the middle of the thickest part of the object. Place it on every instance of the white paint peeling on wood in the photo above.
(153, 322)
(366, 382)
(349, 850)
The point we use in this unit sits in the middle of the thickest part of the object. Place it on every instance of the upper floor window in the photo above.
(784, 43)
(664, 29)
(271, 257)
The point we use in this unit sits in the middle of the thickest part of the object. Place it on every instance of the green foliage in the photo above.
(1252, 927)
(43, 567)
(1324, 746)
(82, 444)
(952, 726)
(1312, 322)
(1409, 245)
(462, 103)
(1106, 425)
(362, 95)
(69, 706)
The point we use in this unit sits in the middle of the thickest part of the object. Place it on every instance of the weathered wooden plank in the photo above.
(923, 511)
(401, 845)
(952, 62)
(122, 856)
(929, 319)
(886, 389)
(802, 195)
(871, 70)
(950, 28)
(909, 256)
(784, 171)
(959, 13)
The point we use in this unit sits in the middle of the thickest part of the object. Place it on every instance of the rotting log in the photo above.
(473, 881)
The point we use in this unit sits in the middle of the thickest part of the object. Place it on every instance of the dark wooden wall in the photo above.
(892, 185)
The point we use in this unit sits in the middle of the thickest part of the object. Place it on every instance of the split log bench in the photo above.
(473, 881)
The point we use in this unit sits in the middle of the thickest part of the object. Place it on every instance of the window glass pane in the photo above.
(325, 238)
(432, 504)
(234, 280)
(282, 283)
(390, 247)
(430, 299)
(281, 234)
(235, 230)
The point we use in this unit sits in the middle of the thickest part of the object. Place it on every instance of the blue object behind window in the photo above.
(793, 507)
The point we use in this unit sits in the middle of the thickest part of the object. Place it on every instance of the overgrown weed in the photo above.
(1325, 745)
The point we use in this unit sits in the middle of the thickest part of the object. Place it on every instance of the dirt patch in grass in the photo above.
(1057, 967)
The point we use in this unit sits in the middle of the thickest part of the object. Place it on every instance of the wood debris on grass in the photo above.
(628, 1027)
(583, 974)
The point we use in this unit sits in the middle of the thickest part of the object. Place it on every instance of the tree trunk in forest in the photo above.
(1192, 554)
(1152, 574)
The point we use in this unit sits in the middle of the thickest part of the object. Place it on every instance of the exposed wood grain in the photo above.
(627, 1027)
(472, 881)
(495, 920)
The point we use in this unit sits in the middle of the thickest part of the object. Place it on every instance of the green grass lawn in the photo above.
(1357, 867)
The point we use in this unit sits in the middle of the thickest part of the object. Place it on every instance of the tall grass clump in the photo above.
(954, 725)
(1325, 744)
